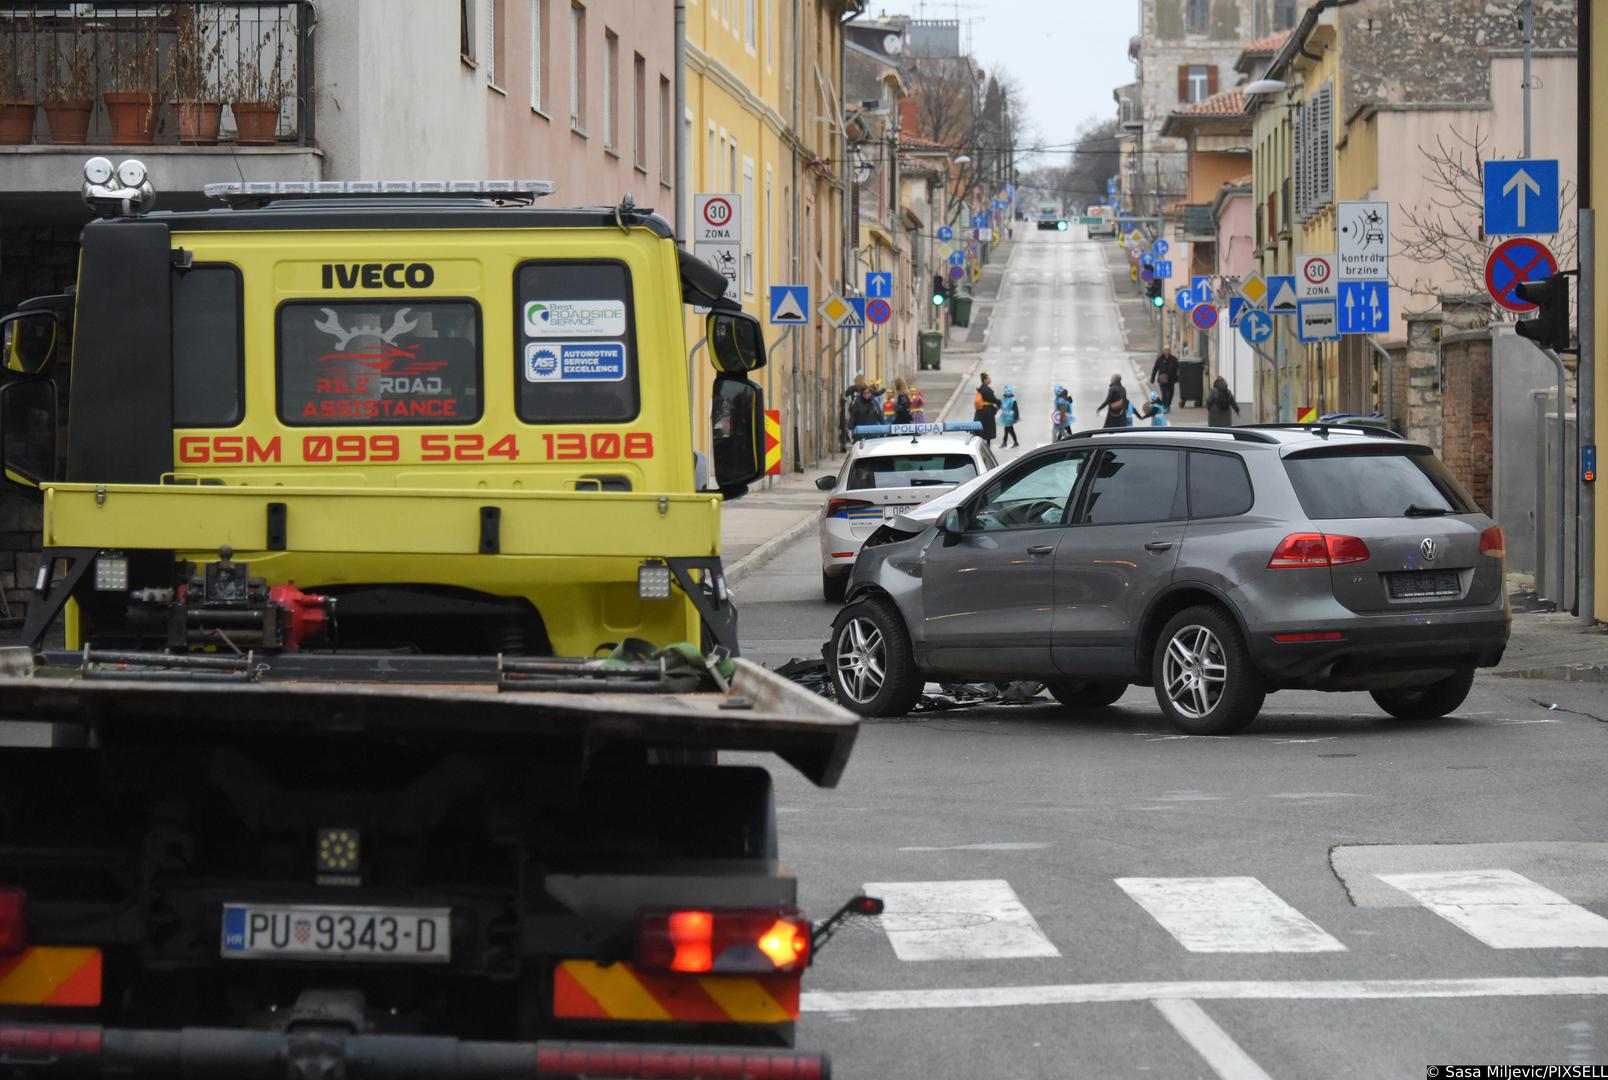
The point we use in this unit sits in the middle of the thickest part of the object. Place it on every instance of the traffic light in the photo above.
(1060, 225)
(1154, 292)
(1550, 328)
(940, 291)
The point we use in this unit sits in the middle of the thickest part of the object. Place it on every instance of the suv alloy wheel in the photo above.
(873, 666)
(1205, 683)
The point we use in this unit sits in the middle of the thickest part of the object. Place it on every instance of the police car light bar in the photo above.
(240, 190)
(881, 431)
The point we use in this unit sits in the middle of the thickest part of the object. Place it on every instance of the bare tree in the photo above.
(1448, 231)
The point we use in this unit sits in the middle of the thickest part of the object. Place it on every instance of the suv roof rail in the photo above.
(1322, 430)
(1239, 434)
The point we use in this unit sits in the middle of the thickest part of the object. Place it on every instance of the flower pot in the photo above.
(16, 121)
(132, 116)
(255, 122)
(198, 121)
(69, 121)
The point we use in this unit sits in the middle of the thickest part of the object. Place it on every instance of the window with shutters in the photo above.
(495, 60)
(538, 61)
(467, 34)
(1299, 168)
(667, 132)
(1321, 135)
(611, 89)
(1194, 83)
(1199, 14)
(639, 111)
(577, 51)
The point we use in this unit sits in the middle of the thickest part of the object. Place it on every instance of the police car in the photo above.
(891, 468)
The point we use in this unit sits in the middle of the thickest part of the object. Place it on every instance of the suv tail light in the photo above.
(1317, 549)
(835, 507)
(13, 921)
(1493, 543)
(747, 941)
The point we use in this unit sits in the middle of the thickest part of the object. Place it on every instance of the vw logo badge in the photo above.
(1429, 548)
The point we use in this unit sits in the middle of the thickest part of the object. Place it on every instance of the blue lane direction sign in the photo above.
(1281, 294)
(1236, 309)
(1255, 326)
(1315, 321)
(1160, 247)
(945, 232)
(1201, 289)
(1514, 261)
(979, 220)
(957, 258)
(1147, 259)
(1164, 269)
(878, 284)
(1185, 299)
(1204, 316)
(1364, 307)
(1521, 198)
(790, 305)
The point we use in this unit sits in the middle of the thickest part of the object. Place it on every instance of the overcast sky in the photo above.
(1067, 55)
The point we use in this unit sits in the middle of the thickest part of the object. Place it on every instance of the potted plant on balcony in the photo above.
(131, 101)
(16, 90)
(258, 92)
(197, 101)
(69, 99)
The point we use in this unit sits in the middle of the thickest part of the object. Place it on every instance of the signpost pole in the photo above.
(1527, 14)
(1561, 515)
(1389, 396)
(1275, 369)
(1586, 418)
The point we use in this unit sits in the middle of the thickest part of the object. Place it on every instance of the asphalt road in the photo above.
(1333, 893)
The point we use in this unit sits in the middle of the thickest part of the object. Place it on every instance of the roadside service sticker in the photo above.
(574, 361)
(574, 318)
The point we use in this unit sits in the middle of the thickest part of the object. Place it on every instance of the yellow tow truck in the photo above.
(396, 652)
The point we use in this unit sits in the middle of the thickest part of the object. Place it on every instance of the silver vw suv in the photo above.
(1215, 565)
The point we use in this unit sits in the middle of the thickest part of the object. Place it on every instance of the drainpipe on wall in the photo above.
(681, 120)
(801, 339)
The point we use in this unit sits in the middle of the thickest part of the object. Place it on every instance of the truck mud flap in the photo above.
(228, 1054)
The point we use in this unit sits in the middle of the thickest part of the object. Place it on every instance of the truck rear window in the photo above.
(379, 362)
(1343, 483)
(911, 470)
(576, 360)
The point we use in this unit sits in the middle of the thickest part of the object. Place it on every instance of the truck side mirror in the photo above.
(736, 341)
(28, 343)
(28, 432)
(737, 419)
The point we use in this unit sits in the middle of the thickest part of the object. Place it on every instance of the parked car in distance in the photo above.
(891, 468)
(1214, 565)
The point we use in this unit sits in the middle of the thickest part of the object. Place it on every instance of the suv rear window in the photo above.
(379, 362)
(1368, 483)
(911, 470)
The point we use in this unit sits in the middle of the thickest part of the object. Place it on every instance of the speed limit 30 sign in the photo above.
(1314, 277)
(717, 219)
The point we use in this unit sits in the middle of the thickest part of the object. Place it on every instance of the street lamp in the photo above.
(1266, 86)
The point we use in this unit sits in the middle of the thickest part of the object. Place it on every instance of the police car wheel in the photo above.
(873, 666)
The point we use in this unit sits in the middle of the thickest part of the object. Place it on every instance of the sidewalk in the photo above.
(1553, 646)
(985, 297)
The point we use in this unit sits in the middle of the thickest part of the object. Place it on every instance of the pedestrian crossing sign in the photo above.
(789, 304)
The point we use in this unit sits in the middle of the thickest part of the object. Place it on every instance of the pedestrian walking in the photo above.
(1165, 374)
(902, 410)
(1115, 408)
(1061, 419)
(985, 404)
(866, 410)
(1156, 412)
(1220, 404)
(1009, 413)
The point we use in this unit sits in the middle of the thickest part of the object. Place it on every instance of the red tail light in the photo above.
(749, 941)
(1493, 543)
(1317, 549)
(837, 506)
(13, 921)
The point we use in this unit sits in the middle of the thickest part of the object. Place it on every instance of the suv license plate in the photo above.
(1419, 584)
(331, 932)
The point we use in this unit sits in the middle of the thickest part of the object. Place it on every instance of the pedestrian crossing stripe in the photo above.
(1227, 915)
(1503, 909)
(958, 920)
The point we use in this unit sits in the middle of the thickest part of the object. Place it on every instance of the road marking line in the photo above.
(1210, 1041)
(991, 845)
(958, 920)
(1227, 915)
(1504, 909)
(998, 997)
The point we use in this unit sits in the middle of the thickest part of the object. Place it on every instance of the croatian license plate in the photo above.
(1418, 584)
(337, 932)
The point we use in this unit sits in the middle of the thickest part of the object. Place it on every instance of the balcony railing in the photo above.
(187, 72)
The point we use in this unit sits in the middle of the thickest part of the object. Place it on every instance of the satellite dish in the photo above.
(893, 44)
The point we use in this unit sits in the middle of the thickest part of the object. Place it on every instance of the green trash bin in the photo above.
(960, 309)
(932, 350)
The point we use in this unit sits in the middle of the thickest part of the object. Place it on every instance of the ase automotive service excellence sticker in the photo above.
(574, 361)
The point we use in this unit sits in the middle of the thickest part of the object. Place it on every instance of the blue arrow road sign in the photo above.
(1256, 326)
(1236, 308)
(957, 258)
(945, 232)
(1281, 294)
(1201, 287)
(1164, 269)
(979, 220)
(790, 304)
(1364, 307)
(878, 284)
(1185, 298)
(1160, 247)
(1521, 198)
(1147, 259)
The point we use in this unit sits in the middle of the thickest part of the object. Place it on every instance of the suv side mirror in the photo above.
(737, 419)
(28, 432)
(736, 341)
(28, 342)
(950, 524)
(825, 483)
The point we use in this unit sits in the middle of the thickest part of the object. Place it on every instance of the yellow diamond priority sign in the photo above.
(836, 310)
(1254, 289)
